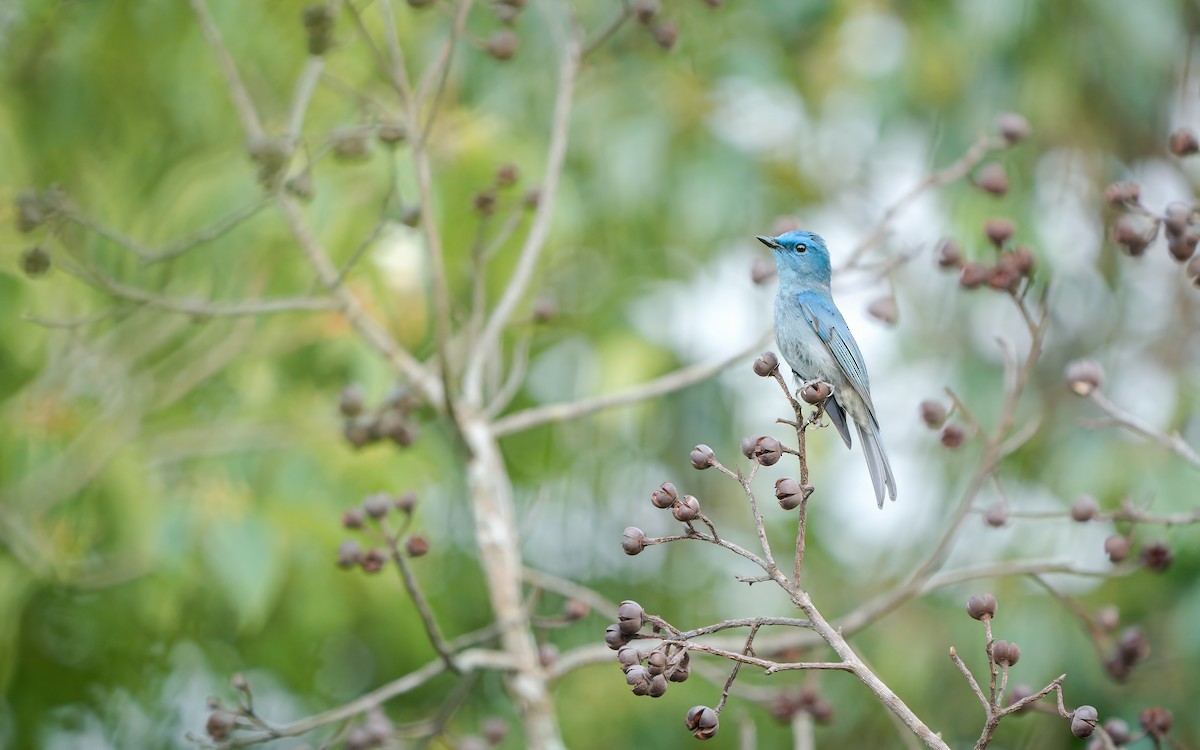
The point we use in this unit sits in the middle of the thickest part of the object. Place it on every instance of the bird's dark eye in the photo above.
(801, 247)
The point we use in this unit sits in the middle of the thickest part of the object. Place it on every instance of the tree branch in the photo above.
(1137, 426)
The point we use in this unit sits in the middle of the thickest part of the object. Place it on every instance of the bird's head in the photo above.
(801, 258)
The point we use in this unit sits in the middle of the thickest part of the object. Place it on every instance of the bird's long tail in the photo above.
(877, 462)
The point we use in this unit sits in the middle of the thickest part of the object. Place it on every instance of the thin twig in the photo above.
(237, 90)
(436, 639)
(669, 383)
(1124, 419)
(747, 650)
(539, 230)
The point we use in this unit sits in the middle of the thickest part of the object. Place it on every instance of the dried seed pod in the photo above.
(628, 656)
(992, 179)
(816, 393)
(406, 502)
(1118, 731)
(1019, 693)
(1108, 618)
(656, 663)
(1006, 653)
(638, 678)
(933, 414)
(998, 230)
(686, 509)
(1132, 646)
(391, 132)
(631, 611)
(35, 261)
(665, 496)
(372, 560)
(633, 540)
(484, 202)
(973, 275)
(646, 11)
(1013, 127)
(1116, 547)
(1084, 376)
(884, 310)
(351, 144)
(1157, 556)
(220, 724)
(614, 638)
(545, 310)
(1121, 193)
(980, 606)
(1134, 233)
(788, 492)
(495, 730)
(318, 21)
(353, 518)
(348, 554)
(1183, 246)
(377, 505)
(1156, 721)
(953, 436)
(1023, 260)
(417, 546)
(766, 364)
(658, 686)
(666, 33)
(1084, 509)
(702, 457)
(702, 722)
(767, 450)
(507, 174)
(949, 254)
(1083, 721)
(1183, 142)
(503, 44)
(575, 609)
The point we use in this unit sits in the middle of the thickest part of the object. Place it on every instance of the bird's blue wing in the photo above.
(831, 328)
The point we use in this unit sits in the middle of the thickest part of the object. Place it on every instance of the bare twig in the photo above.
(1137, 426)
(237, 90)
(539, 230)
(669, 383)
(436, 639)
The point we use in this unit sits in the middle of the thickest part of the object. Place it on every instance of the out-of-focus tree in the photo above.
(450, 285)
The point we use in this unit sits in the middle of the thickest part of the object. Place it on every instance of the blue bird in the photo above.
(817, 344)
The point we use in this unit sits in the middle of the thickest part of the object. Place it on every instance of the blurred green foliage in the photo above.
(171, 485)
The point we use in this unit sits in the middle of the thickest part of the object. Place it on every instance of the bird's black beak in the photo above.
(768, 241)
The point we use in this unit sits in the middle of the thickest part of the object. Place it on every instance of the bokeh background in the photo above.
(171, 487)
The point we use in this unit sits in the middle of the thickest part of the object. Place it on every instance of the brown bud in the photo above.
(645, 10)
(702, 722)
(406, 502)
(821, 710)
(633, 540)
(353, 518)
(683, 670)
(391, 132)
(1157, 556)
(883, 309)
(1108, 618)
(658, 686)
(484, 202)
(575, 609)
(1132, 646)
(665, 496)
(1083, 721)
(351, 144)
(1183, 246)
(973, 275)
(789, 493)
(348, 554)
(1019, 693)
(221, 724)
(747, 447)
(767, 450)
(1176, 218)
(507, 174)
(949, 254)
(686, 509)
(503, 44)
(702, 457)
(1023, 260)
(761, 269)
(980, 606)
(816, 393)
(933, 414)
(998, 230)
(372, 560)
(1084, 376)
(1118, 731)
(953, 436)
(1134, 233)
(1004, 276)
(1120, 193)
(631, 611)
(35, 261)
(357, 434)
(416, 546)
(1005, 653)
(1183, 142)
(377, 505)
(666, 33)
(766, 364)
(1012, 127)
(1084, 509)
(318, 21)
(1116, 547)
(992, 179)
(996, 515)
(1156, 721)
